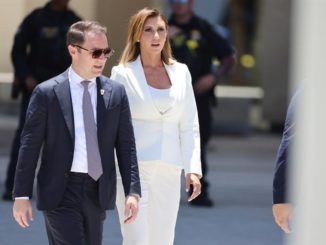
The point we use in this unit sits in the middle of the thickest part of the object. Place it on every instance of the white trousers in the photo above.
(158, 206)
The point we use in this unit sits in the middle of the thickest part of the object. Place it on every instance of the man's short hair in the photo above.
(77, 31)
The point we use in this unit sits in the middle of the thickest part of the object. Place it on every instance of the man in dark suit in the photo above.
(282, 208)
(79, 117)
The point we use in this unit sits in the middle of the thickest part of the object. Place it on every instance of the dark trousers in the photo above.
(16, 144)
(205, 126)
(78, 220)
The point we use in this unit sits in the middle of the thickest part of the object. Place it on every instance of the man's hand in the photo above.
(282, 214)
(22, 212)
(193, 179)
(30, 83)
(204, 84)
(173, 30)
(131, 209)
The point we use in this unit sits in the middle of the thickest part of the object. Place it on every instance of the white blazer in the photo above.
(173, 136)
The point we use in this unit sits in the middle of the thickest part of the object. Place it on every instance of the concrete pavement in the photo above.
(240, 174)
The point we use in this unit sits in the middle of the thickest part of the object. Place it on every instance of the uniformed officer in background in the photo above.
(39, 52)
(195, 43)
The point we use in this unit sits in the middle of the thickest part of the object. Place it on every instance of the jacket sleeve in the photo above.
(125, 145)
(189, 130)
(126, 151)
(280, 172)
(31, 141)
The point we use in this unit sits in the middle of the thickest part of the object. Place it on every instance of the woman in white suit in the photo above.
(164, 117)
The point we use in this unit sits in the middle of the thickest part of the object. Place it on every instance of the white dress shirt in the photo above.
(79, 162)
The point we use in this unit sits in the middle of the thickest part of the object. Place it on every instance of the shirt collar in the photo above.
(75, 78)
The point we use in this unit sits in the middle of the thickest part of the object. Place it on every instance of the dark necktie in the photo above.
(93, 154)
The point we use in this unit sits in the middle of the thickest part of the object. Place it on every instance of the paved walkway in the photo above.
(240, 175)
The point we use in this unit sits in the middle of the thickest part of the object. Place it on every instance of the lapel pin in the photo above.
(102, 91)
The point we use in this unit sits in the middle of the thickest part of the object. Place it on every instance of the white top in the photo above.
(79, 162)
(162, 98)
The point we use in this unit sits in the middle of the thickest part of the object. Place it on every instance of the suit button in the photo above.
(66, 174)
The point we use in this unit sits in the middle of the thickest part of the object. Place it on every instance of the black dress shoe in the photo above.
(202, 201)
(7, 196)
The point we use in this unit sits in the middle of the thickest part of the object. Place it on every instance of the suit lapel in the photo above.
(62, 91)
(173, 74)
(104, 91)
(136, 74)
(175, 81)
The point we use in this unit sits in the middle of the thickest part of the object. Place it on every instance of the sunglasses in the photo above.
(97, 53)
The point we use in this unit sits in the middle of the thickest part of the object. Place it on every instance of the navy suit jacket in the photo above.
(280, 173)
(50, 122)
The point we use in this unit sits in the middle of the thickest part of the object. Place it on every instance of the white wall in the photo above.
(309, 155)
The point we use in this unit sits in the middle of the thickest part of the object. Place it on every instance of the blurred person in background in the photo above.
(165, 121)
(39, 52)
(195, 43)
